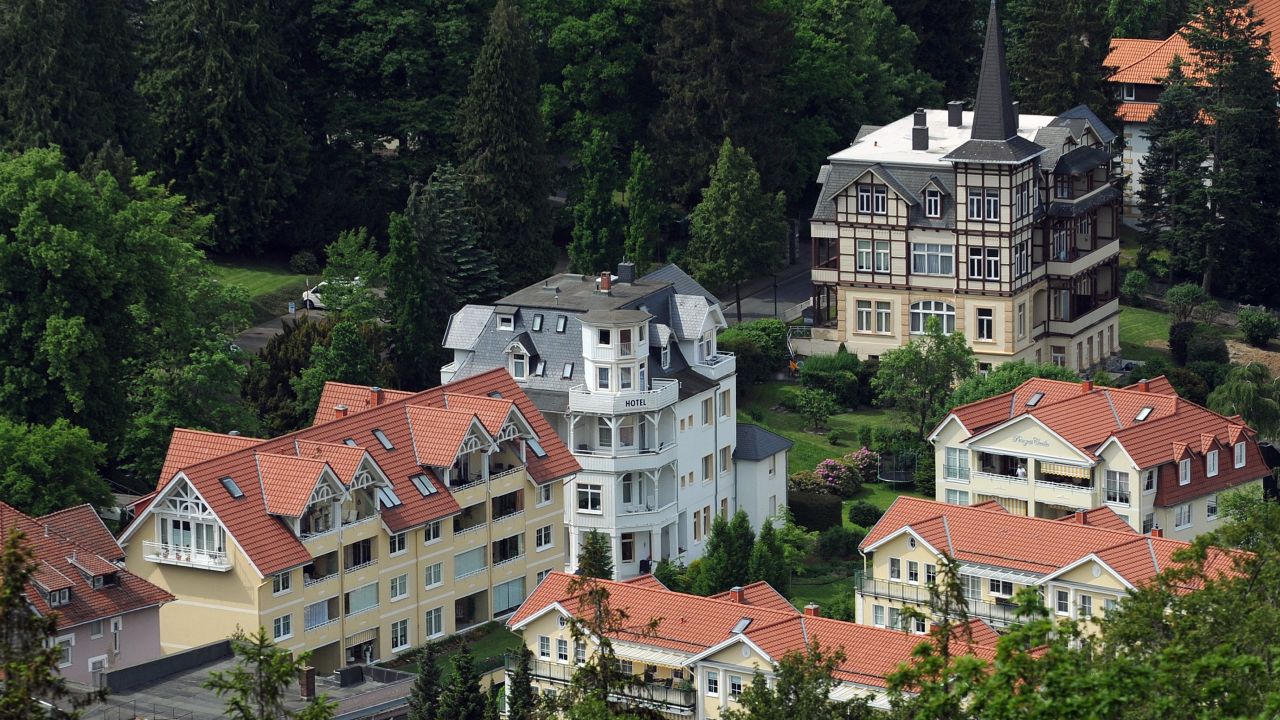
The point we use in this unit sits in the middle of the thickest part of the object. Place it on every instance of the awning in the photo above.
(1074, 471)
(362, 637)
(650, 656)
(1016, 576)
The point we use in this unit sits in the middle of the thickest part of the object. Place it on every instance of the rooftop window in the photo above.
(423, 483)
(230, 486)
(1143, 414)
(382, 438)
(561, 321)
(1035, 399)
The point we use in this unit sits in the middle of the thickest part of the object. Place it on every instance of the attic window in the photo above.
(57, 598)
(540, 369)
(494, 394)
(561, 322)
(506, 322)
(568, 371)
(536, 447)
(741, 626)
(1035, 399)
(1143, 414)
(423, 483)
(101, 581)
(350, 441)
(387, 497)
(382, 438)
(537, 322)
(231, 487)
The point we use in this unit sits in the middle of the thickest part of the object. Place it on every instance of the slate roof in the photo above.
(1085, 113)
(691, 624)
(680, 281)
(57, 570)
(272, 546)
(82, 525)
(993, 115)
(1081, 160)
(466, 325)
(756, 443)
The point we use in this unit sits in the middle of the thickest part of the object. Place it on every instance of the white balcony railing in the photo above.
(321, 623)
(186, 556)
(994, 477)
(309, 581)
(511, 559)
(362, 565)
(468, 531)
(1065, 487)
(469, 573)
(663, 393)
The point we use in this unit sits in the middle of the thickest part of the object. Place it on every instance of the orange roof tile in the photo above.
(82, 525)
(1136, 112)
(188, 447)
(356, 398)
(1146, 62)
(1103, 517)
(438, 433)
(493, 412)
(646, 580)
(64, 564)
(692, 624)
(272, 546)
(761, 594)
(288, 481)
(342, 458)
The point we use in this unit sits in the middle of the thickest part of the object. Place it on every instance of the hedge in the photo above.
(815, 511)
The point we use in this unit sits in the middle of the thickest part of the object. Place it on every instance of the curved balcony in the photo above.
(619, 460)
(665, 393)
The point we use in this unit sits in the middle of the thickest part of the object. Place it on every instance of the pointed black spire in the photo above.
(993, 117)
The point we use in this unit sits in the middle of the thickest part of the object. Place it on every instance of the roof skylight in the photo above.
(231, 487)
(1035, 399)
(382, 438)
(1143, 414)
(423, 483)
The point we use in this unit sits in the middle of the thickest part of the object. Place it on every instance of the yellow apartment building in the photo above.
(395, 519)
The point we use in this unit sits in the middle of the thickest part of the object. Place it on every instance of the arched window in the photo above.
(925, 309)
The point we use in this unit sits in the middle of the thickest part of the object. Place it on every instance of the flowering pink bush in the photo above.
(839, 477)
(864, 463)
(807, 481)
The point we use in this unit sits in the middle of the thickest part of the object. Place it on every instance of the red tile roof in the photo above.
(188, 447)
(356, 398)
(61, 559)
(342, 458)
(1103, 517)
(1146, 62)
(272, 546)
(1136, 112)
(82, 525)
(437, 433)
(288, 481)
(692, 624)
(646, 580)
(981, 536)
(493, 412)
(760, 594)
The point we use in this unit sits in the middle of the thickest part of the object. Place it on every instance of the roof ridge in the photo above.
(1112, 405)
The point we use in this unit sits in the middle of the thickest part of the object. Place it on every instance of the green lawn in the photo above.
(1138, 326)
(822, 594)
(270, 286)
(493, 640)
(811, 448)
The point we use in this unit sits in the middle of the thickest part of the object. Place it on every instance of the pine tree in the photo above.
(644, 211)
(595, 558)
(521, 702)
(67, 74)
(717, 67)
(950, 37)
(462, 698)
(503, 149)
(256, 686)
(424, 699)
(768, 560)
(1173, 196)
(475, 271)
(597, 240)
(1238, 91)
(718, 572)
(29, 657)
(1056, 54)
(418, 282)
(737, 230)
(742, 540)
(228, 127)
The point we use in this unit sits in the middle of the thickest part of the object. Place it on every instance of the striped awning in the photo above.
(650, 656)
(362, 637)
(1074, 471)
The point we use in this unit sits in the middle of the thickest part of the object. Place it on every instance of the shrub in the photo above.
(816, 406)
(753, 366)
(1213, 373)
(756, 414)
(1189, 385)
(842, 479)
(1180, 334)
(896, 440)
(304, 262)
(833, 437)
(815, 511)
(838, 543)
(926, 480)
(1184, 299)
(1207, 348)
(1207, 312)
(1258, 326)
(807, 481)
(836, 374)
(1134, 286)
(864, 463)
(864, 514)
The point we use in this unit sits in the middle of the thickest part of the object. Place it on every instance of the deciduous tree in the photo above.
(917, 379)
(1003, 378)
(1252, 393)
(801, 689)
(644, 211)
(48, 468)
(349, 357)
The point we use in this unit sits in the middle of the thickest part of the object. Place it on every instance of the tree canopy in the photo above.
(917, 379)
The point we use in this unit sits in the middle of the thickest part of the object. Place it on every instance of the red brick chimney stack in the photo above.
(812, 610)
(339, 411)
(375, 396)
(738, 595)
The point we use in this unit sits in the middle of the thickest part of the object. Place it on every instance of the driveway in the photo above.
(256, 337)
(794, 287)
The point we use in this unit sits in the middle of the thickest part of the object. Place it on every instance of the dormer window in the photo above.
(707, 345)
(932, 203)
(537, 322)
(1184, 472)
(107, 580)
(1211, 463)
(666, 357)
(519, 365)
(1238, 450)
(58, 598)
(506, 322)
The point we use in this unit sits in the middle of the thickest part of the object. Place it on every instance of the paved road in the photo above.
(757, 296)
(256, 337)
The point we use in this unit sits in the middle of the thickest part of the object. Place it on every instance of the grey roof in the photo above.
(1013, 151)
(466, 325)
(911, 177)
(687, 315)
(578, 292)
(1081, 160)
(1097, 198)
(865, 130)
(893, 182)
(605, 317)
(679, 280)
(755, 443)
(663, 333)
(993, 116)
(1055, 141)
(1083, 112)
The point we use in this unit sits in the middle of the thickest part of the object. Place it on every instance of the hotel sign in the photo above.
(1027, 441)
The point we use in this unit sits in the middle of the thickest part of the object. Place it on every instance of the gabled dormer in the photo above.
(187, 530)
(454, 444)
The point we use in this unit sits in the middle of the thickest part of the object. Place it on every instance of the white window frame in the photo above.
(895, 569)
(863, 314)
(592, 494)
(933, 259)
(955, 464)
(519, 365)
(543, 495)
(431, 532)
(397, 543)
(1149, 481)
(974, 197)
(1116, 487)
(1211, 507)
(1129, 90)
(713, 683)
(957, 497)
(986, 324)
(544, 647)
(863, 256)
(921, 311)
(1238, 452)
(1211, 463)
(913, 572)
(1184, 471)
(544, 538)
(1182, 516)
(1000, 588)
(403, 581)
(67, 643)
(735, 686)
(433, 618)
(400, 630)
(864, 199)
(991, 201)
(877, 615)
(881, 256)
(562, 650)
(282, 583)
(433, 575)
(1062, 602)
(932, 203)
(282, 627)
(884, 317)
(95, 629)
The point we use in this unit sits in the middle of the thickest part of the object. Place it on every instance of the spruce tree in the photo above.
(475, 271)
(768, 560)
(350, 357)
(950, 38)
(595, 557)
(521, 702)
(597, 235)
(737, 230)
(462, 698)
(742, 540)
(503, 149)
(717, 66)
(1173, 196)
(718, 573)
(226, 123)
(67, 74)
(644, 211)
(1238, 91)
(419, 290)
(1056, 51)
(256, 686)
(424, 699)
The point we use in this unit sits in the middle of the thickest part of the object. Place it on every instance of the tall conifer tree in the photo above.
(462, 698)
(227, 126)
(644, 211)
(597, 231)
(503, 149)
(1056, 54)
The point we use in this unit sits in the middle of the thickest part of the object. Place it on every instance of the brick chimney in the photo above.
(1079, 517)
(1144, 385)
(307, 682)
(375, 396)
(1157, 532)
(812, 610)
(1086, 387)
(738, 595)
(339, 411)
(606, 281)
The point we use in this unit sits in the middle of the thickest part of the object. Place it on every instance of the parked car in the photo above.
(311, 298)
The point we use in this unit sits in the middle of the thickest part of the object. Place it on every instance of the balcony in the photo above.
(998, 614)
(717, 365)
(994, 477)
(1075, 327)
(1073, 261)
(664, 394)
(625, 459)
(186, 556)
(664, 696)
